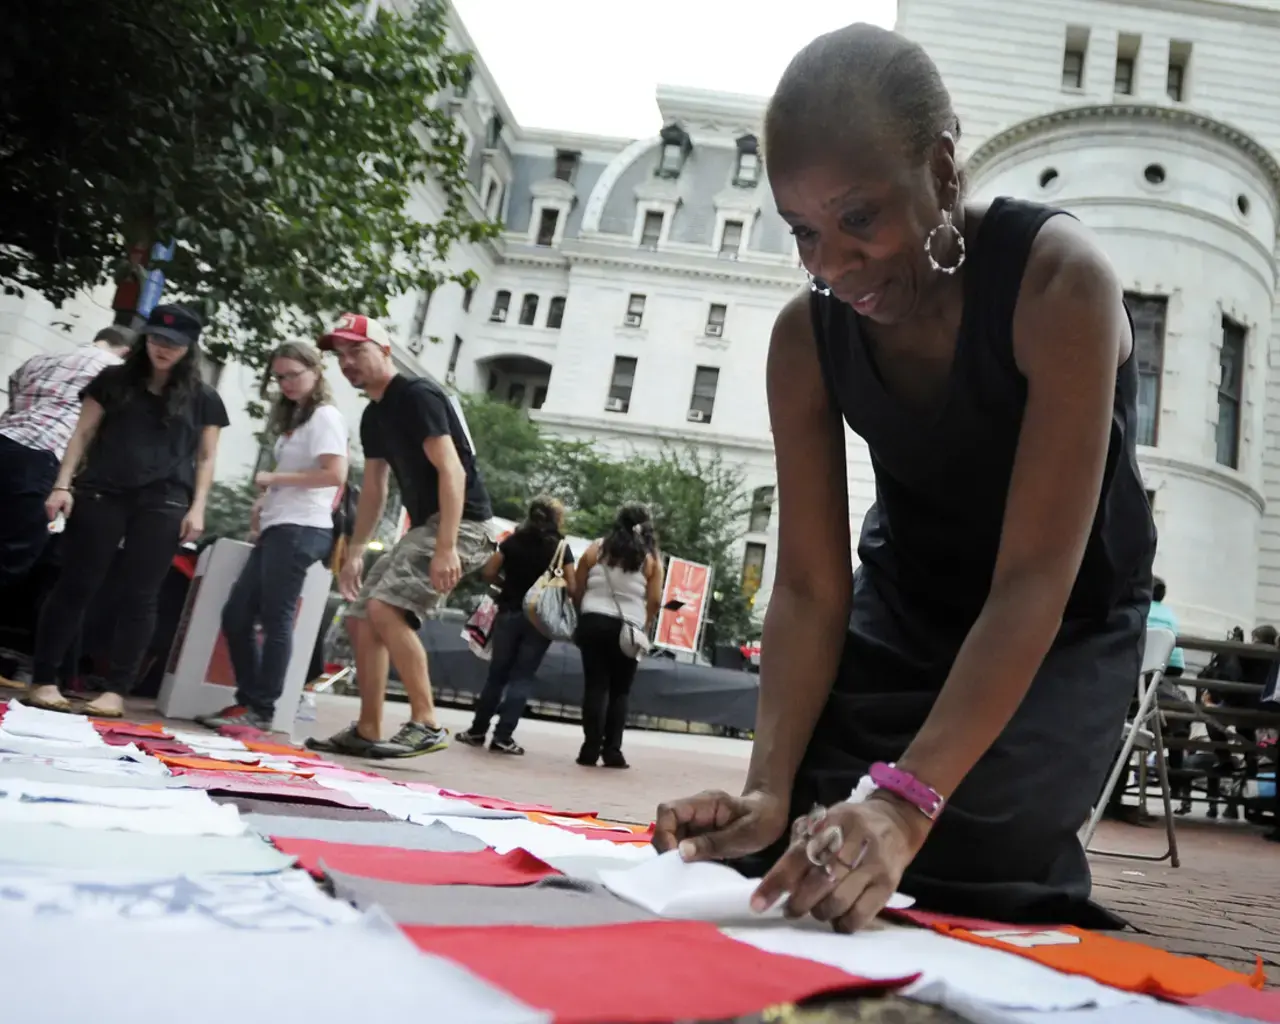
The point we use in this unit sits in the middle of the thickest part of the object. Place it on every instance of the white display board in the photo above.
(198, 678)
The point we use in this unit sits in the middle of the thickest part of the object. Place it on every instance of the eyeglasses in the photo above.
(285, 378)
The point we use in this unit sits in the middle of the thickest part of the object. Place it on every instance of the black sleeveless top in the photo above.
(929, 541)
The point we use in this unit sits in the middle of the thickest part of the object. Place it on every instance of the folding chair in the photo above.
(1143, 734)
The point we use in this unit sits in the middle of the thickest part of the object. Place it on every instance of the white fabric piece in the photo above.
(702, 891)
(543, 841)
(140, 764)
(33, 747)
(325, 433)
(327, 974)
(967, 971)
(285, 902)
(192, 800)
(1148, 1011)
(214, 820)
(402, 802)
(207, 740)
(36, 723)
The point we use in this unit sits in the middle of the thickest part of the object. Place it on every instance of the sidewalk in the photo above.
(1221, 904)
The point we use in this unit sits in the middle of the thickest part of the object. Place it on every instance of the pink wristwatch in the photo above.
(908, 787)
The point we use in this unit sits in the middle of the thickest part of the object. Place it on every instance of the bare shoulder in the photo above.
(793, 325)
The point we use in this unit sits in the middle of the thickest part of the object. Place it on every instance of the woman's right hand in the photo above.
(59, 501)
(349, 579)
(717, 826)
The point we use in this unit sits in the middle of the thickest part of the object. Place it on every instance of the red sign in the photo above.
(689, 584)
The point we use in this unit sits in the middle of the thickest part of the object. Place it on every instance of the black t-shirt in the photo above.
(394, 428)
(525, 557)
(138, 445)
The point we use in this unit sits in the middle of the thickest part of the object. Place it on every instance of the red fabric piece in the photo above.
(416, 867)
(632, 973)
(129, 730)
(156, 746)
(1241, 1000)
(272, 786)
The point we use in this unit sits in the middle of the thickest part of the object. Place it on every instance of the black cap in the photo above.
(175, 324)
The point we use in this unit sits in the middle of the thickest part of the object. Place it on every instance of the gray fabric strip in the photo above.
(435, 837)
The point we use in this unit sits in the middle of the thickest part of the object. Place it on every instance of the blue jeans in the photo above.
(267, 594)
(518, 649)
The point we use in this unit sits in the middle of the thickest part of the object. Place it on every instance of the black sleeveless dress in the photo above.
(1005, 848)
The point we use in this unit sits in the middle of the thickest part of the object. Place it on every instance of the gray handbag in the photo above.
(632, 639)
(547, 602)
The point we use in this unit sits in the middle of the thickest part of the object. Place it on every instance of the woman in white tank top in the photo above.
(293, 527)
(619, 580)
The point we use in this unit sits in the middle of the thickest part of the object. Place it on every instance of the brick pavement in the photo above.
(1222, 903)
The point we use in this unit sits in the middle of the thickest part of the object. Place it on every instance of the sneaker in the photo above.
(235, 714)
(506, 746)
(470, 739)
(614, 760)
(348, 741)
(413, 740)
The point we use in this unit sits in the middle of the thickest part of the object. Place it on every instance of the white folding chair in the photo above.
(1143, 734)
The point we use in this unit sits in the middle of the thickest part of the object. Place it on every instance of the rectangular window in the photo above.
(715, 319)
(566, 164)
(703, 401)
(672, 160)
(528, 310)
(635, 311)
(1124, 76)
(419, 323)
(761, 509)
(752, 569)
(547, 223)
(493, 132)
(453, 355)
(555, 313)
(1179, 61)
(539, 397)
(515, 393)
(1230, 391)
(1127, 47)
(652, 230)
(501, 304)
(620, 384)
(731, 240)
(490, 194)
(1073, 56)
(748, 171)
(467, 296)
(1149, 313)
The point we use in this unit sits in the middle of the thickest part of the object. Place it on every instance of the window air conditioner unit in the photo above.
(615, 405)
(715, 330)
(633, 320)
(416, 346)
(499, 316)
(696, 416)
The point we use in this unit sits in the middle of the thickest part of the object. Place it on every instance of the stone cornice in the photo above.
(620, 425)
(1174, 117)
(707, 268)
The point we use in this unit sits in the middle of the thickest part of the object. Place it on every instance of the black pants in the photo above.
(26, 477)
(517, 651)
(266, 594)
(149, 521)
(608, 675)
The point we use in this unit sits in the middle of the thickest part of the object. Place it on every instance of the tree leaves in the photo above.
(278, 142)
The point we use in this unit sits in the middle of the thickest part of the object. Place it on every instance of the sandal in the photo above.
(92, 712)
(61, 704)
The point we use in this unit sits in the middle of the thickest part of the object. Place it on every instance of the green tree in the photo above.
(228, 511)
(279, 143)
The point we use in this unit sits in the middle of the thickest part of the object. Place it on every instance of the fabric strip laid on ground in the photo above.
(652, 971)
(416, 867)
(383, 832)
(1127, 966)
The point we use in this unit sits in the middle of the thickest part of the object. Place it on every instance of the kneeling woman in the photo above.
(147, 435)
(953, 706)
(293, 521)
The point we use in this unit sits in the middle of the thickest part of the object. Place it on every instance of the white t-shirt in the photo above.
(325, 433)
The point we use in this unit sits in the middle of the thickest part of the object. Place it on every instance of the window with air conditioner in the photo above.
(731, 240)
(566, 165)
(493, 132)
(419, 323)
(1230, 392)
(675, 149)
(651, 233)
(528, 310)
(634, 316)
(454, 353)
(620, 384)
(753, 557)
(747, 172)
(555, 313)
(1149, 314)
(761, 509)
(715, 320)
(703, 401)
(468, 294)
(501, 304)
(548, 221)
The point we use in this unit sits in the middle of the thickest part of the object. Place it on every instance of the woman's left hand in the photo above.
(264, 480)
(877, 838)
(192, 524)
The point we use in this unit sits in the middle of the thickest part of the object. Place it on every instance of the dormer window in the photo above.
(493, 132)
(566, 164)
(747, 174)
(675, 147)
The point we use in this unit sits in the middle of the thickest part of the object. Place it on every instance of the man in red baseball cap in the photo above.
(410, 428)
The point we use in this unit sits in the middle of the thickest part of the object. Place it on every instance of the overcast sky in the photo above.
(593, 65)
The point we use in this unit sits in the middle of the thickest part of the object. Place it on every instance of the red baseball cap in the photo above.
(355, 328)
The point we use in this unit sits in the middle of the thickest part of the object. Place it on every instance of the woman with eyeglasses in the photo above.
(292, 529)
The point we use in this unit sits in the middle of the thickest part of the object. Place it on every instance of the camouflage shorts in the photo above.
(402, 577)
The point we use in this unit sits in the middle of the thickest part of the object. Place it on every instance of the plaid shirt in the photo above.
(44, 397)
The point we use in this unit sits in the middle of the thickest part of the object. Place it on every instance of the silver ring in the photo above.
(832, 840)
